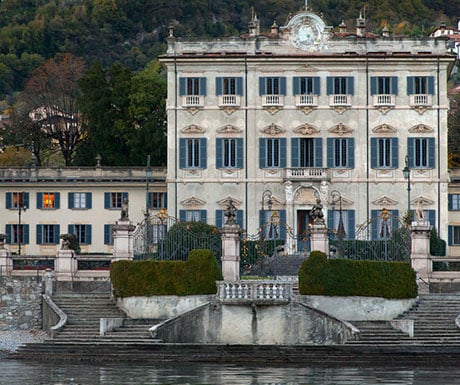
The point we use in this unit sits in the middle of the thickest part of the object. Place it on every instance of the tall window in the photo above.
(306, 152)
(192, 86)
(340, 152)
(79, 200)
(229, 153)
(47, 234)
(420, 85)
(384, 152)
(454, 235)
(157, 200)
(17, 234)
(193, 153)
(48, 200)
(192, 215)
(306, 85)
(82, 232)
(114, 200)
(272, 86)
(421, 152)
(272, 152)
(348, 223)
(454, 202)
(14, 200)
(229, 86)
(340, 85)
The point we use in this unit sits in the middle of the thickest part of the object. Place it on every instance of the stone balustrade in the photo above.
(254, 291)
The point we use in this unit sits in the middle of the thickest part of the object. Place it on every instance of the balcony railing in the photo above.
(306, 100)
(272, 100)
(229, 100)
(193, 101)
(420, 100)
(303, 173)
(384, 100)
(340, 100)
(254, 291)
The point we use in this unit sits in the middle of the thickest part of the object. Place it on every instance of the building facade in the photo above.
(276, 121)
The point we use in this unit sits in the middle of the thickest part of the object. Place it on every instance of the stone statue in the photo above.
(65, 241)
(124, 210)
(419, 215)
(230, 213)
(317, 212)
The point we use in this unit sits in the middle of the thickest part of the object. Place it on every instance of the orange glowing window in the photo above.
(48, 200)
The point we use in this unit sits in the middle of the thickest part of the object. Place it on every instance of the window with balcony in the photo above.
(229, 90)
(272, 90)
(82, 232)
(340, 152)
(192, 90)
(14, 200)
(114, 200)
(306, 90)
(420, 90)
(229, 152)
(340, 90)
(48, 200)
(47, 234)
(272, 152)
(79, 200)
(192, 215)
(306, 152)
(384, 90)
(344, 230)
(17, 234)
(421, 152)
(193, 153)
(157, 200)
(384, 153)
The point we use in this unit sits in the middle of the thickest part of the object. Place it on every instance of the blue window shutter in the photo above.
(410, 85)
(262, 86)
(107, 200)
(261, 219)
(107, 231)
(70, 199)
(330, 152)
(182, 82)
(218, 86)
(165, 203)
(182, 215)
(219, 218)
(88, 235)
(124, 196)
(57, 200)
(430, 81)
(319, 152)
(316, 85)
(39, 235)
(373, 152)
(262, 153)
(431, 153)
(351, 224)
(203, 216)
(296, 85)
(330, 85)
(394, 152)
(351, 153)
(394, 85)
(26, 200)
(9, 234)
(56, 234)
(239, 218)
(350, 85)
(394, 219)
(283, 85)
(450, 235)
(330, 219)
(9, 200)
(374, 224)
(239, 152)
(219, 160)
(295, 152)
(39, 200)
(203, 155)
(449, 202)
(71, 229)
(89, 203)
(373, 85)
(432, 217)
(202, 86)
(239, 86)
(282, 224)
(25, 234)
(410, 151)
(282, 152)
(182, 152)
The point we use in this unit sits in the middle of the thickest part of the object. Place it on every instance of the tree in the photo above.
(51, 93)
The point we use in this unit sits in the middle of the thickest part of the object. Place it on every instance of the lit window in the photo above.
(48, 201)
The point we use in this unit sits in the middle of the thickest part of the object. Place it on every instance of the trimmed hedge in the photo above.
(342, 277)
(197, 275)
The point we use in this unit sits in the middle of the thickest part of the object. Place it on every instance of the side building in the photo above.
(275, 121)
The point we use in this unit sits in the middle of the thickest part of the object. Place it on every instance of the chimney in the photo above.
(385, 32)
(274, 28)
(342, 27)
(254, 24)
(360, 25)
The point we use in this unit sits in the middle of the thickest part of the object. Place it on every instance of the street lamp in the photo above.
(406, 173)
(148, 175)
(337, 197)
(21, 207)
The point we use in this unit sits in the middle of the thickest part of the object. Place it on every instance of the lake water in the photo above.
(37, 373)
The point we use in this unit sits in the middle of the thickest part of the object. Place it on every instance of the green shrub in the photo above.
(342, 277)
(197, 275)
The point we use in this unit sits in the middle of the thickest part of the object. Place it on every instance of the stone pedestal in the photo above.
(420, 253)
(123, 241)
(6, 262)
(231, 252)
(65, 265)
(319, 239)
(48, 282)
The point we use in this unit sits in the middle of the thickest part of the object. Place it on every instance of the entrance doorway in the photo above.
(304, 222)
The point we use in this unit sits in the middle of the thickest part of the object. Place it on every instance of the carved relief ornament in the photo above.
(306, 129)
(273, 130)
(341, 129)
(384, 129)
(192, 202)
(193, 129)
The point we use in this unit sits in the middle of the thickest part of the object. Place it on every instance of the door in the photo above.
(304, 222)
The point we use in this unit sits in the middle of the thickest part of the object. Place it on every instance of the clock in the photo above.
(306, 31)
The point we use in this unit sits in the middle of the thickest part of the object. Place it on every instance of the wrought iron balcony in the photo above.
(306, 173)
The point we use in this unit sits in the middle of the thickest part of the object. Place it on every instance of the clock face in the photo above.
(306, 31)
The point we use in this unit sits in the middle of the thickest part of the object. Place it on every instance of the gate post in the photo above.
(420, 253)
(65, 265)
(230, 245)
(319, 239)
(6, 263)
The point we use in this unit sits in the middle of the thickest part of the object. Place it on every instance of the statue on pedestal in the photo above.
(317, 212)
(230, 213)
(419, 214)
(124, 210)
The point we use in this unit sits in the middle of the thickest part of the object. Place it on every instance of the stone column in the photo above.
(49, 282)
(123, 241)
(319, 239)
(290, 245)
(231, 252)
(420, 254)
(6, 262)
(65, 265)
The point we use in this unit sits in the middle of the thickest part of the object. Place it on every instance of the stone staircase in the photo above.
(434, 324)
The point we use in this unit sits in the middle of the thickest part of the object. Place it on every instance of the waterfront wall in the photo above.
(20, 303)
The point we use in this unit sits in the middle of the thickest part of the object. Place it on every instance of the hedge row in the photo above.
(341, 277)
(197, 275)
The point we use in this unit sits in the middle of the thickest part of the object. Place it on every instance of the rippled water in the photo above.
(34, 373)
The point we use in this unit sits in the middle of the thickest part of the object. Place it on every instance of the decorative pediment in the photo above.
(193, 129)
(384, 202)
(225, 202)
(193, 201)
(306, 129)
(421, 129)
(273, 130)
(341, 129)
(422, 201)
(384, 129)
(229, 129)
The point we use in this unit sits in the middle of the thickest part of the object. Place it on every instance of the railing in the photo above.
(229, 100)
(306, 100)
(306, 173)
(340, 100)
(272, 100)
(254, 291)
(193, 101)
(420, 100)
(384, 100)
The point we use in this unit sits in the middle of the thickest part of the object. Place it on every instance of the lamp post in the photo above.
(406, 173)
(337, 197)
(148, 174)
(21, 207)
